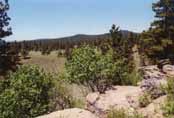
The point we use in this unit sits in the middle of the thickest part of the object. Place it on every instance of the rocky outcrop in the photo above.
(70, 113)
(153, 110)
(152, 72)
(125, 97)
(152, 81)
(168, 70)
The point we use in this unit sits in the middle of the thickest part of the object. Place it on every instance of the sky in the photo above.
(35, 19)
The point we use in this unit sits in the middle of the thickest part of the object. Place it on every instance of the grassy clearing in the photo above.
(50, 63)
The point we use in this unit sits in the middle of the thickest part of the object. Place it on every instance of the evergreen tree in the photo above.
(116, 41)
(116, 36)
(4, 19)
(122, 47)
(7, 57)
(158, 40)
(164, 10)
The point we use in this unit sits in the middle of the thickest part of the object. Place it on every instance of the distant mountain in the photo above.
(83, 37)
(63, 43)
(78, 37)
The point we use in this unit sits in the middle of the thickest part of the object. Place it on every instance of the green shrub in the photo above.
(117, 114)
(145, 100)
(170, 88)
(133, 78)
(60, 97)
(77, 103)
(168, 107)
(25, 93)
(121, 113)
(88, 66)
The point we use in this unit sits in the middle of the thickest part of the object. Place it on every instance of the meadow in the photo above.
(50, 63)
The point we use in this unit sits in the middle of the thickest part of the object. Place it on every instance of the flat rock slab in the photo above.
(70, 113)
(120, 97)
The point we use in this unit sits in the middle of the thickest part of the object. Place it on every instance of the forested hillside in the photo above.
(68, 42)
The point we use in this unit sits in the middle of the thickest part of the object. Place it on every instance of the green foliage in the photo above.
(164, 14)
(122, 47)
(88, 66)
(25, 93)
(60, 96)
(133, 78)
(77, 103)
(122, 50)
(5, 30)
(123, 114)
(170, 88)
(145, 100)
(8, 56)
(116, 36)
(117, 114)
(157, 42)
(155, 46)
(168, 107)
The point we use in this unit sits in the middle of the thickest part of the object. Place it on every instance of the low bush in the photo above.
(121, 113)
(60, 97)
(145, 100)
(169, 89)
(30, 92)
(25, 93)
(77, 103)
(168, 107)
(133, 78)
(88, 66)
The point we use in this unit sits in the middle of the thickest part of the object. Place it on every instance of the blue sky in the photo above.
(33, 19)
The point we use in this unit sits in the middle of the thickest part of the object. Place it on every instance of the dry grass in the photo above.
(50, 63)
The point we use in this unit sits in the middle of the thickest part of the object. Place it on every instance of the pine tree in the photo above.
(115, 36)
(122, 47)
(164, 10)
(4, 19)
(159, 39)
(116, 41)
(7, 56)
